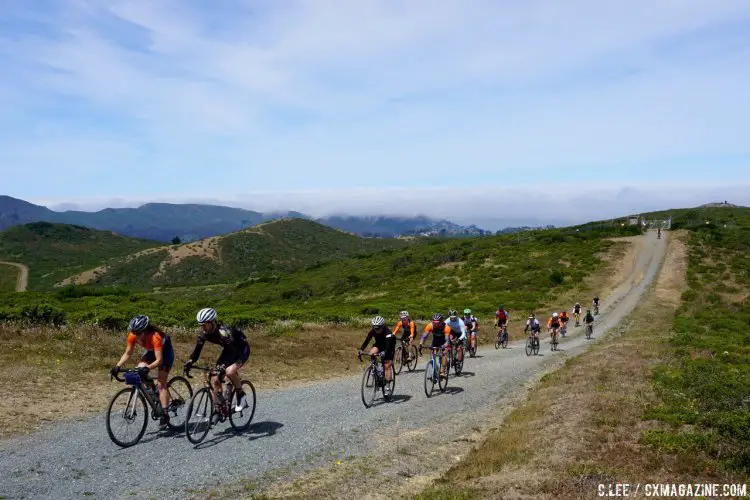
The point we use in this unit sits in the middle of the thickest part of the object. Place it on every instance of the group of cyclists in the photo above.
(455, 330)
(159, 354)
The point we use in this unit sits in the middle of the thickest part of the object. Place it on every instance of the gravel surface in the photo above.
(293, 428)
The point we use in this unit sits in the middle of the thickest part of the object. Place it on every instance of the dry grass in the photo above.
(581, 426)
(76, 361)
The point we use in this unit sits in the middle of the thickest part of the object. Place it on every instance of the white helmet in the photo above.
(554, 315)
(404, 314)
(378, 321)
(205, 315)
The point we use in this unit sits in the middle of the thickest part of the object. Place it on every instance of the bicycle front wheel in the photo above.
(443, 381)
(529, 346)
(459, 364)
(398, 360)
(200, 411)
(369, 386)
(497, 341)
(504, 341)
(127, 417)
(536, 346)
(429, 378)
(180, 393)
(241, 419)
(413, 358)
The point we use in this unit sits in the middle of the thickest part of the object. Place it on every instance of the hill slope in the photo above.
(54, 251)
(281, 246)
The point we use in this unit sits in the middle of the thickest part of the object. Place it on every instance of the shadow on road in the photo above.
(254, 431)
(451, 389)
(466, 374)
(399, 398)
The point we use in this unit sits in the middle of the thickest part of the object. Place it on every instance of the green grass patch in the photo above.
(8, 277)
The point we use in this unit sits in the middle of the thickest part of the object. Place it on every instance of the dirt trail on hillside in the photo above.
(23, 275)
(320, 428)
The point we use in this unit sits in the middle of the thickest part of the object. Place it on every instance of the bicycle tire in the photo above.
(178, 402)
(411, 366)
(504, 341)
(536, 346)
(443, 382)
(369, 377)
(497, 341)
(529, 346)
(139, 401)
(388, 395)
(248, 412)
(429, 378)
(458, 366)
(203, 401)
(398, 359)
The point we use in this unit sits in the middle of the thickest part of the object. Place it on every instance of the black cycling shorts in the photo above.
(438, 341)
(167, 355)
(502, 322)
(231, 355)
(387, 345)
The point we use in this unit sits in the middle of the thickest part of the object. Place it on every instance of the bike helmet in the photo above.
(205, 315)
(139, 323)
(378, 321)
(404, 314)
(467, 311)
(554, 315)
(531, 316)
(453, 313)
(499, 307)
(437, 317)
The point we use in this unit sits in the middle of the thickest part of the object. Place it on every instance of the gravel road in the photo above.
(23, 275)
(293, 428)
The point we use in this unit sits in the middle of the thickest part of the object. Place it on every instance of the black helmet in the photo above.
(139, 323)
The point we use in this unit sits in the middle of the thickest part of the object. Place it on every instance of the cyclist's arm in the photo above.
(157, 352)
(462, 325)
(447, 332)
(128, 350)
(193, 358)
(369, 337)
(427, 331)
(413, 331)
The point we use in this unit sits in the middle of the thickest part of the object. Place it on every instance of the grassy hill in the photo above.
(277, 247)
(8, 276)
(55, 251)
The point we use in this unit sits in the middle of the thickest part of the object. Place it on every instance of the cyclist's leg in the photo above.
(390, 351)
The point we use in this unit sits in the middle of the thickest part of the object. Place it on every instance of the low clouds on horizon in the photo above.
(488, 207)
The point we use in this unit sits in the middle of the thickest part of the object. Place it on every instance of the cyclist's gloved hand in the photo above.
(114, 371)
(143, 371)
(188, 365)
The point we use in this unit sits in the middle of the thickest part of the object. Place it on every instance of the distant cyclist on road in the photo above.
(458, 330)
(159, 354)
(472, 327)
(234, 354)
(595, 303)
(440, 337)
(533, 325)
(564, 318)
(588, 320)
(577, 313)
(407, 326)
(501, 317)
(553, 324)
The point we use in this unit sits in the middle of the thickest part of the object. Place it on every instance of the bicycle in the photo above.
(596, 309)
(473, 348)
(373, 379)
(208, 413)
(553, 342)
(453, 361)
(406, 355)
(589, 330)
(532, 343)
(564, 328)
(501, 339)
(138, 395)
(577, 316)
(432, 372)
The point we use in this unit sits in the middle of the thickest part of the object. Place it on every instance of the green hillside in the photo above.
(8, 276)
(55, 251)
(521, 271)
(278, 247)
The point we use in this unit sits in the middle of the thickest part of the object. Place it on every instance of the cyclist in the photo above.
(385, 342)
(472, 326)
(235, 353)
(553, 324)
(577, 313)
(501, 317)
(589, 319)
(564, 318)
(159, 354)
(440, 337)
(533, 324)
(407, 325)
(458, 330)
(595, 303)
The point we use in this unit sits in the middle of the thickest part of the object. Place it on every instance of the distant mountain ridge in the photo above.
(190, 222)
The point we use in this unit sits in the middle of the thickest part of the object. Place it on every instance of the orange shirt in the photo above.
(152, 341)
(446, 330)
(399, 325)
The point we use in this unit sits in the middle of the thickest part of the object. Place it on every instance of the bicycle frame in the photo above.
(141, 388)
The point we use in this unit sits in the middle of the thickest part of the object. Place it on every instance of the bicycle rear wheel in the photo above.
(369, 386)
(241, 419)
(429, 378)
(127, 412)
(199, 414)
(398, 359)
(180, 393)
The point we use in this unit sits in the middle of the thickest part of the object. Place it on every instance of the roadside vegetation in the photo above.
(8, 277)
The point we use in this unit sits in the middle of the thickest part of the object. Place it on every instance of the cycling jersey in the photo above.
(501, 315)
(457, 327)
(439, 333)
(577, 309)
(408, 326)
(154, 341)
(589, 318)
(385, 342)
(471, 323)
(553, 323)
(235, 348)
(564, 317)
(533, 324)
(596, 301)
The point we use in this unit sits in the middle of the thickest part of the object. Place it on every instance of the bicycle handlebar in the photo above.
(217, 370)
(122, 379)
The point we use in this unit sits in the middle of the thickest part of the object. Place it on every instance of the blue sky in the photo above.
(290, 104)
